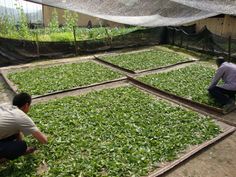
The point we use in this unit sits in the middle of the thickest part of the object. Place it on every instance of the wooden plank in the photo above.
(113, 65)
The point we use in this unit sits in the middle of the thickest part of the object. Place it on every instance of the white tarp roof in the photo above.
(147, 12)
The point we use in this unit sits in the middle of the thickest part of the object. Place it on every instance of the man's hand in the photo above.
(19, 136)
(40, 137)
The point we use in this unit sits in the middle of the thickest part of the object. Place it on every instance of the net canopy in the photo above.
(219, 6)
(148, 13)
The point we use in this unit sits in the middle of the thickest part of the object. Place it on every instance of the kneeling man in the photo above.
(14, 123)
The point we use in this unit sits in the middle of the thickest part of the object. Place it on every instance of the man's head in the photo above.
(219, 61)
(22, 101)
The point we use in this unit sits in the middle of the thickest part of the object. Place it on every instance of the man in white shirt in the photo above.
(14, 123)
(225, 93)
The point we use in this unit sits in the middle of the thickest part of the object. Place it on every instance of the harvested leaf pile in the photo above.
(114, 132)
(39, 81)
(190, 82)
(146, 60)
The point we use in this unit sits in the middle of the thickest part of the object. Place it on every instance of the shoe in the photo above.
(229, 107)
(30, 150)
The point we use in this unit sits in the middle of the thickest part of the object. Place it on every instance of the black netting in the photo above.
(17, 51)
(190, 29)
(220, 44)
(93, 45)
(203, 41)
(178, 37)
(22, 51)
(137, 38)
(193, 41)
(55, 49)
(171, 35)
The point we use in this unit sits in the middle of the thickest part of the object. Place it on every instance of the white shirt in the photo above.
(226, 72)
(13, 120)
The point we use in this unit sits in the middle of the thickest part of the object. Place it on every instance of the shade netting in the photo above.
(147, 12)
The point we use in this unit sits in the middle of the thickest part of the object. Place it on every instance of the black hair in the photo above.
(220, 60)
(21, 99)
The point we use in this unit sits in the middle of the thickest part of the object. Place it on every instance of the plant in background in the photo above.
(71, 19)
(23, 28)
(54, 23)
(7, 26)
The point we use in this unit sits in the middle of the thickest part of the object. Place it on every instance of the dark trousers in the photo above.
(11, 148)
(221, 95)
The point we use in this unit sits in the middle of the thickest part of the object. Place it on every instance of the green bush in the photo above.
(54, 23)
(23, 29)
(71, 20)
(7, 25)
(66, 36)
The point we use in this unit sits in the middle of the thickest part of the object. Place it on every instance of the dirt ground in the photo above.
(218, 160)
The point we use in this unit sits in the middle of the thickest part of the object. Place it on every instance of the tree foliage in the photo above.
(54, 23)
(71, 19)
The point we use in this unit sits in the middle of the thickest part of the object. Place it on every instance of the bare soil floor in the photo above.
(219, 160)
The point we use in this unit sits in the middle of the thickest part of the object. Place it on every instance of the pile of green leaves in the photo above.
(190, 82)
(146, 60)
(114, 132)
(39, 81)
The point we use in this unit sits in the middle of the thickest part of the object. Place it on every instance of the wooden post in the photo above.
(109, 37)
(75, 44)
(181, 38)
(37, 44)
(229, 48)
